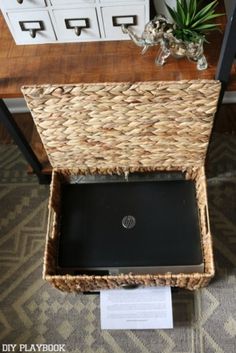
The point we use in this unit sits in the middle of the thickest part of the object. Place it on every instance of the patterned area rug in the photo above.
(31, 311)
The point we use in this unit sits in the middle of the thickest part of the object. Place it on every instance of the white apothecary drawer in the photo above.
(56, 3)
(76, 24)
(22, 4)
(31, 27)
(114, 16)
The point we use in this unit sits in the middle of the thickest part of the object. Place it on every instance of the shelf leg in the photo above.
(228, 50)
(16, 134)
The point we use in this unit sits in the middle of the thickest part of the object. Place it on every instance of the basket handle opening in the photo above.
(51, 223)
(207, 222)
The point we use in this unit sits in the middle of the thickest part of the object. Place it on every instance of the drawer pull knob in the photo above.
(118, 21)
(32, 33)
(77, 24)
(77, 31)
(20, 1)
(32, 27)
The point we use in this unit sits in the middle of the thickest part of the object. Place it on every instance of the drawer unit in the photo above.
(114, 16)
(58, 21)
(76, 24)
(31, 27)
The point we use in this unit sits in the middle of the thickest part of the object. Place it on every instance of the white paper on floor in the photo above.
(141, 308)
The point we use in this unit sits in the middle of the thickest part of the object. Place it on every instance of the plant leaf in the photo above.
(192, 7)
(187, 19)
(205, 19)
(180, 11)
(174, 15)
(185, 6)
(206, 10)
(207, 27)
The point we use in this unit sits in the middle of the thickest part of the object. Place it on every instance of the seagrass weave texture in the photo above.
(82, 283)
(121, 127)
(124, 126)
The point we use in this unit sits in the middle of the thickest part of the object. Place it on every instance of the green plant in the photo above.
(192, 19)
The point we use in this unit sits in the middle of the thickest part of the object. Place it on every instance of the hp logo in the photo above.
(128, 222)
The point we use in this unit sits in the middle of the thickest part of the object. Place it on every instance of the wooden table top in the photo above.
(113, 61)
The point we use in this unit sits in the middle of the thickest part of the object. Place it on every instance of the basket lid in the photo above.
(126, 126)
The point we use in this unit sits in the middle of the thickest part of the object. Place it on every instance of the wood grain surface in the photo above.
(112, 61)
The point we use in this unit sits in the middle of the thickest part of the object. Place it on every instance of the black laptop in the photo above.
(149, 226)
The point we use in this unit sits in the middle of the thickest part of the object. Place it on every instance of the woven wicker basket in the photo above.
(114, 128)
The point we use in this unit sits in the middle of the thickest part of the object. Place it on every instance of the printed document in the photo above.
(141, 308)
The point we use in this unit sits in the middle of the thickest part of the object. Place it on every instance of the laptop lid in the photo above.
(129, 224)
